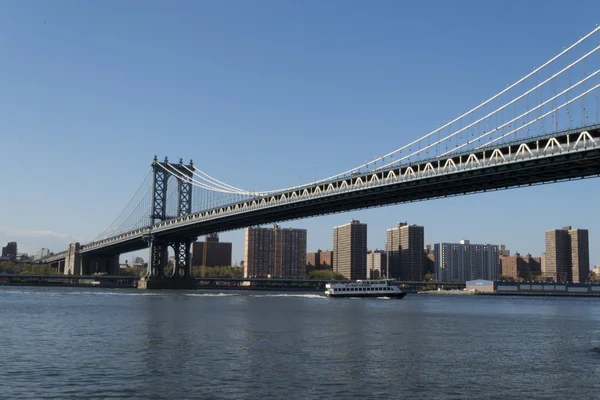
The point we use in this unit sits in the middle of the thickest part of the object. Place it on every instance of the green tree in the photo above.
(128, 271)
(325, 275)
(430, 277)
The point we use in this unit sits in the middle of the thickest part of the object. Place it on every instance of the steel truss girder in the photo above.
(184, 206)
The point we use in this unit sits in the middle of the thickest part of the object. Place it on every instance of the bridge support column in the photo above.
(73, 260)
(181, 278)
(182, 267)
(60, 267)
(158, 258)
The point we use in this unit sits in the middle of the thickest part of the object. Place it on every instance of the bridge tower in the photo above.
(162, 171)
(158, 248)
(181, 245)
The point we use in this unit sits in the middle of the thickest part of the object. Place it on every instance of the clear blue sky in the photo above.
(264, 94)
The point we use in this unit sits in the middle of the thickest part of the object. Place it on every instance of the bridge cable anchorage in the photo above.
(509, 87)
(568, 68)
(130, 200)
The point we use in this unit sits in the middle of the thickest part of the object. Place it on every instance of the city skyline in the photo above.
(293, 93)
(381, 246)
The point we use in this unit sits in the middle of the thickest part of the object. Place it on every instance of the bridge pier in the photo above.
(181, 278)
(108, 265)
(73, 260)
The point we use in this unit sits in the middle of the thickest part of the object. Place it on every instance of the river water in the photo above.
(109, 343)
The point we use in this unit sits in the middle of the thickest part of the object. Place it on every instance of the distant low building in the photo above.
(318, 260)
(517, 266)
(429, 260)
(211, 252)
(9, 252)
(480, 285)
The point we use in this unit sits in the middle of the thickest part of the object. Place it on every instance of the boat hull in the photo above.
(368, 295)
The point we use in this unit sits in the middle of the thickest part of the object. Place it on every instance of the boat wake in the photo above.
(302, 296)
(211, 294)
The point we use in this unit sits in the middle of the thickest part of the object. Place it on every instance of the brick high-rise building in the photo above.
(567, 255)
(211, 252)
(276, 252)
(580, 255)
(518, 266)
(350, 250)
(404, 247)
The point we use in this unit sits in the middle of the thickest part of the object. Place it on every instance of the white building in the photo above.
(465, 261)
(376, 264)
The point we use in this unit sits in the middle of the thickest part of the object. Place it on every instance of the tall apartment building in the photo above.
(465, 261)
(404, 247)
(580, 255)
(518, 266)
(567, 256)
(276, 252)
(376, 264)
(211, 252)
(350, 250)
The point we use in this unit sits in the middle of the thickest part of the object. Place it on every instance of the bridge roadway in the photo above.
(556, 157)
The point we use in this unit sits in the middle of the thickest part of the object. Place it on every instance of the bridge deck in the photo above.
(566, 155)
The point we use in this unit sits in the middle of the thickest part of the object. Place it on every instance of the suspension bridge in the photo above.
(543, 128)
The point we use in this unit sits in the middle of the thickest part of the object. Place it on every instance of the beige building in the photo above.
(376, 264)
(275, 252)
(350, 250)
(567, 255)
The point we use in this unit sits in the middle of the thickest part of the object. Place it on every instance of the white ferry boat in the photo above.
(368, 288)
